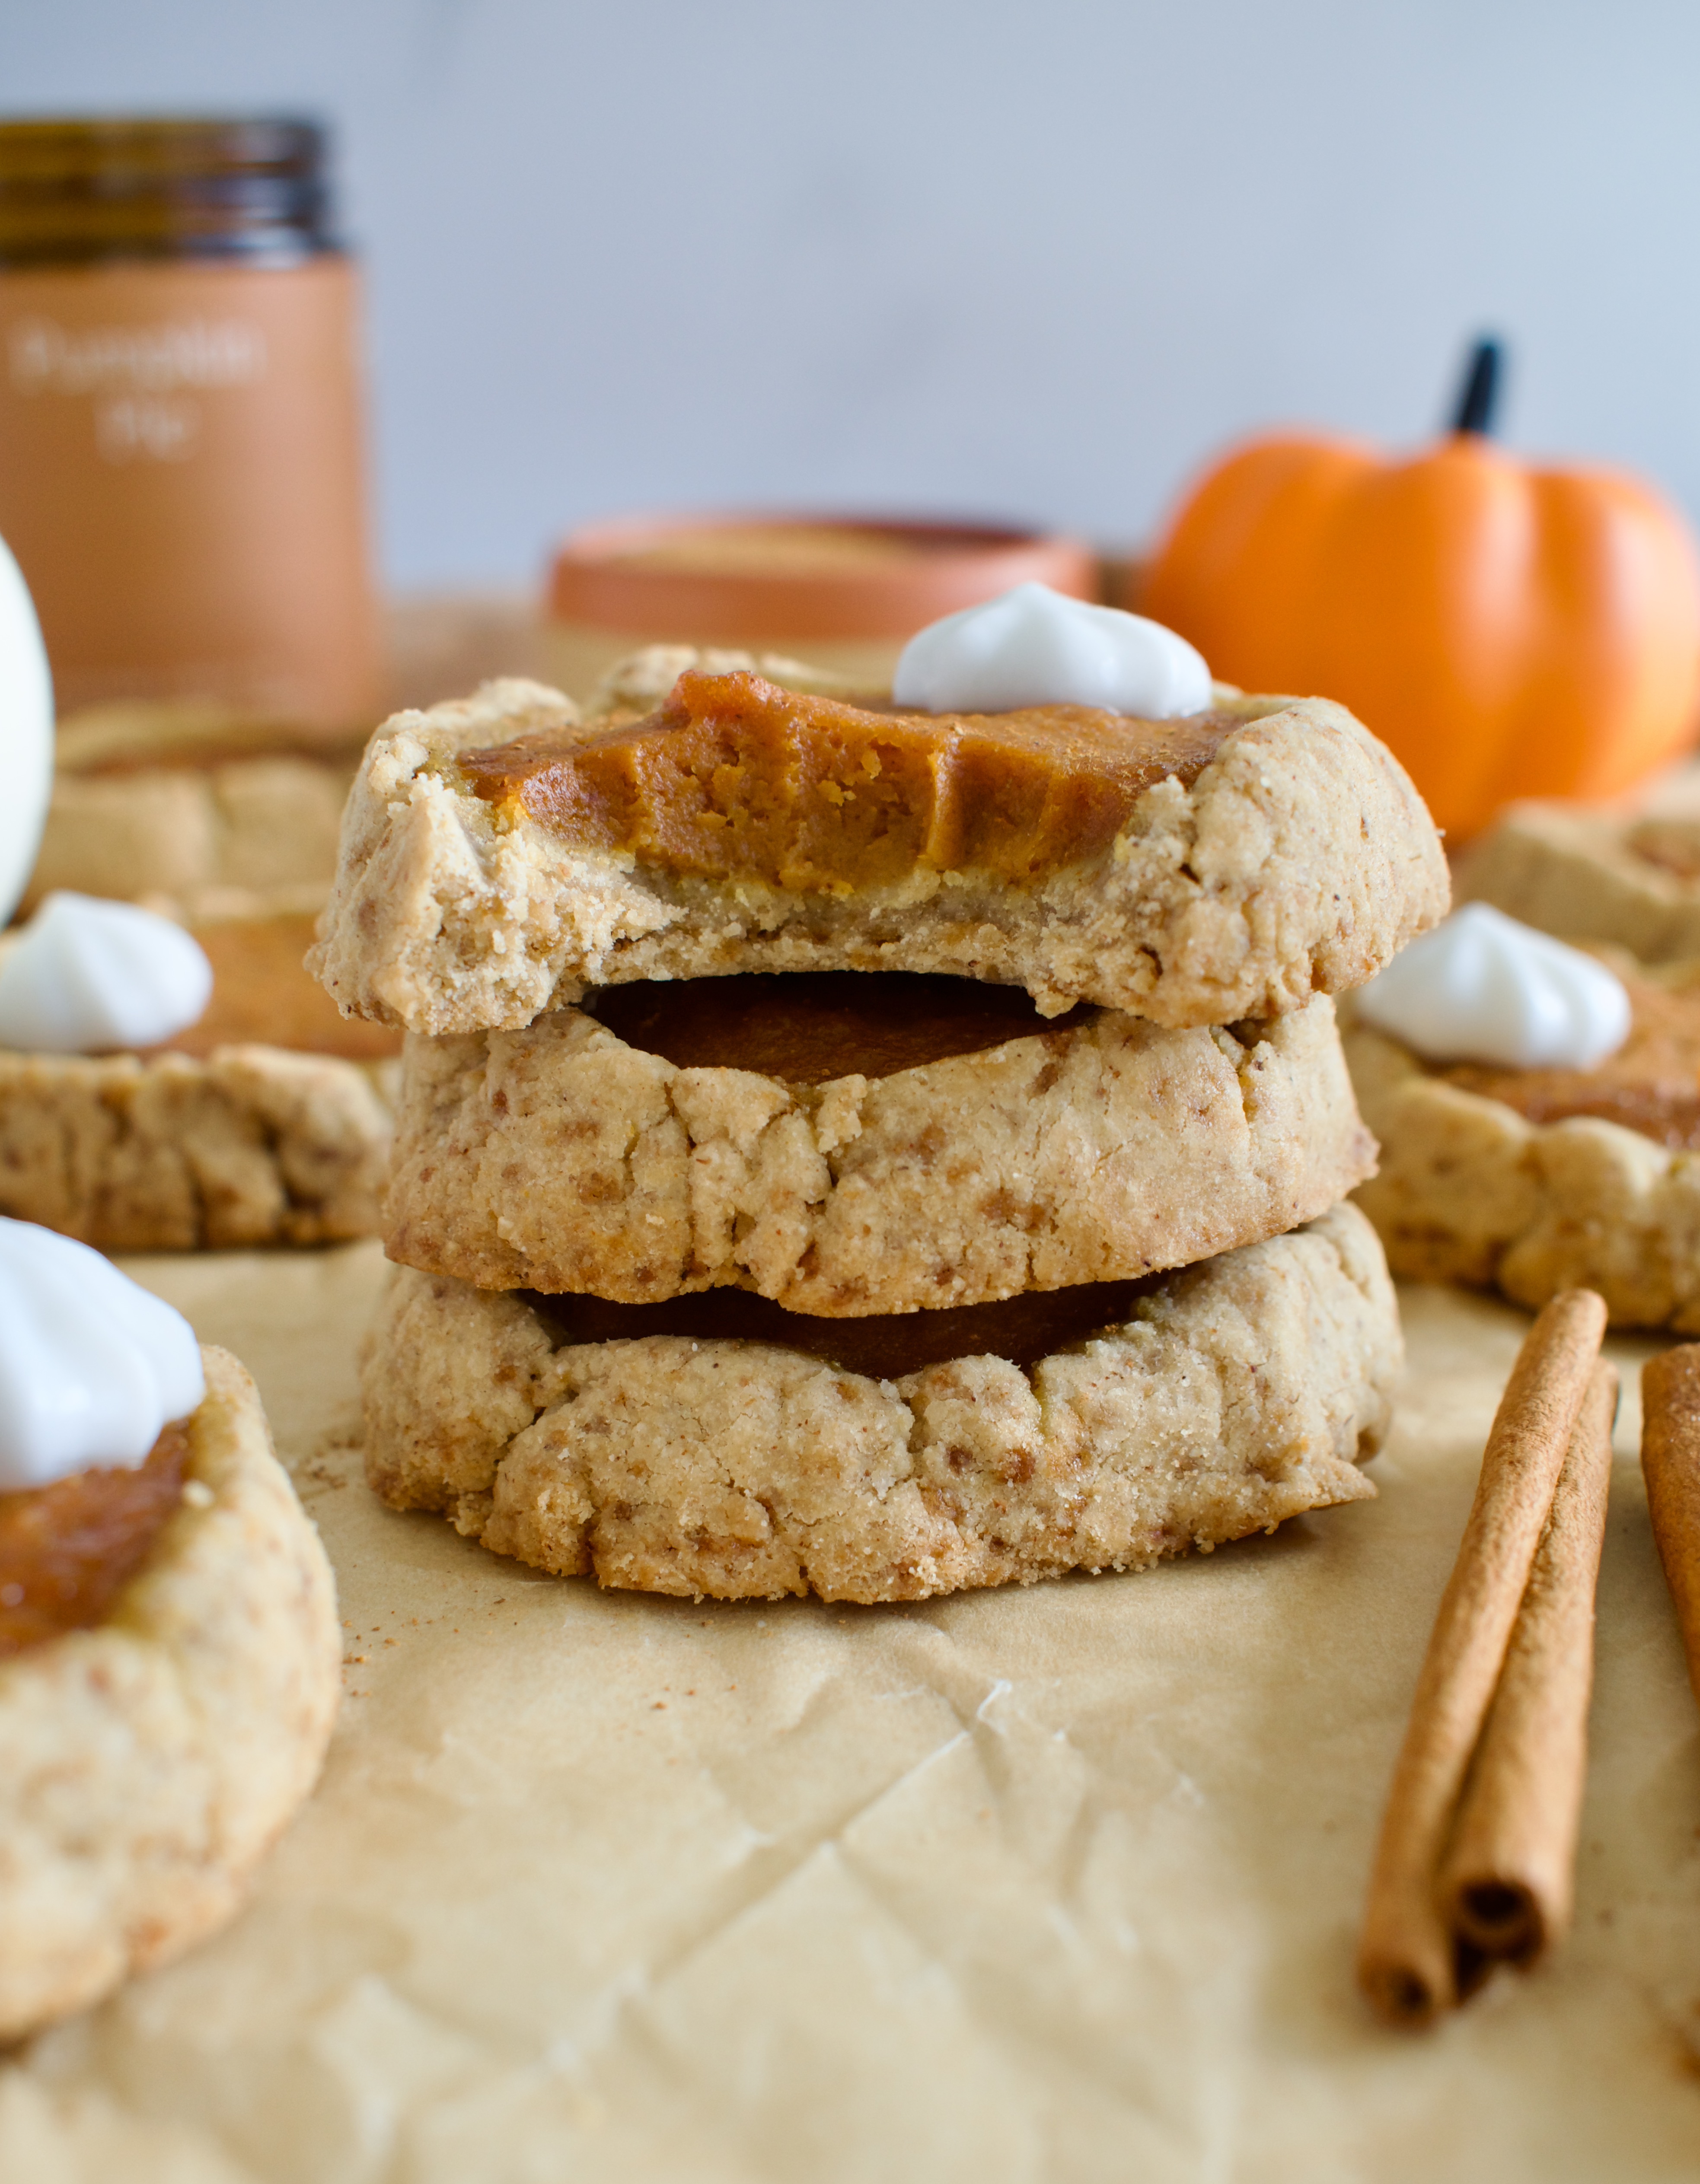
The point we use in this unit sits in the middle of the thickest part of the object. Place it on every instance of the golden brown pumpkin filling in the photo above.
(66, 1549)
(809, 1027)
(884, 1346)
(734, 777)
(1651, 1085)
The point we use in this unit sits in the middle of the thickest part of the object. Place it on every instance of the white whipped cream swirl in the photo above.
(1034, 646)
(1483, 987)
(87, 975)
(26, 733)
(92, 1365)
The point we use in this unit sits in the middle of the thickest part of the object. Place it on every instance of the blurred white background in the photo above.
(966, 256)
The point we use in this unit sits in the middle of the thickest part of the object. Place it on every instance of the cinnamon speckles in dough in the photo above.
(559, 1158)
(756, 1415)
(171, 1152)
(1241, 1392)
(1298, 861)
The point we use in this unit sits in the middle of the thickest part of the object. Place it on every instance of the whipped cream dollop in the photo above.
(1034, 646)
(92, 1365)
(26, 734)
(87, 974)
(1483, 987)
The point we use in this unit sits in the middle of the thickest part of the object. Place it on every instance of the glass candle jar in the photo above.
(845, 593)
(183, 473)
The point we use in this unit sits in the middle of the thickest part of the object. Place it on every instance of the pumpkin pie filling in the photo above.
(66, 1549)
(809, 1027)
(734, 777)
(1651, 1085)
(884, 1346)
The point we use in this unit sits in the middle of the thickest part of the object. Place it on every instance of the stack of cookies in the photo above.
(872, 1152)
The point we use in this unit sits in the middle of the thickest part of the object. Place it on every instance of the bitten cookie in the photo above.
(501, 854)
(1222, 1401)
(168, 1152)
(560, 1158)
(147, 1763)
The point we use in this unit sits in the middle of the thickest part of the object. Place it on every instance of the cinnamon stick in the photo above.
(1509, 1877)
(1671, 1462)
(1406, 1963)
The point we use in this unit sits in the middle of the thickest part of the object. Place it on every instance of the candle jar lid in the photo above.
(748, 578)
(78, 191)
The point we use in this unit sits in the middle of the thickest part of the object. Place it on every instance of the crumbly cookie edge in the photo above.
(248, 1146)
(1469, 1191)
(447, 917)
(653, 1182)
(222, 1655)
(871, 1520)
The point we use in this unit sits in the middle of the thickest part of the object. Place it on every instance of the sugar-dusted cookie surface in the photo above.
(166, 1152)
(501, 854)
(560, 1157)
(1220, 1402)
(147, 1762)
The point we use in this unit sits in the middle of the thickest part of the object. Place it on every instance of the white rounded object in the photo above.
(1483, 987)
(87, 975)
(1034, 646)
(26, 734)
(92, 1365)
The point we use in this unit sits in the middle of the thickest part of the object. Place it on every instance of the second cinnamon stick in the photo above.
(1406, 1963)
(1670, 1460)
(1510, 1874)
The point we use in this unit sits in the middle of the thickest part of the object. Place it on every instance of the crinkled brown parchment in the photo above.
(1022, 1887)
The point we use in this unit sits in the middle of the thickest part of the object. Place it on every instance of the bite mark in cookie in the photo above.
(1296, 861)
(734, 777)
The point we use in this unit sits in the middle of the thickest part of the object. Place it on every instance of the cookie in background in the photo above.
(156, 1095)
(1538, 1109)
(169, 1643)
(1623, 876)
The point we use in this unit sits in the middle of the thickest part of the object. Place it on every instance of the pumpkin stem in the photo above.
(1478, 397)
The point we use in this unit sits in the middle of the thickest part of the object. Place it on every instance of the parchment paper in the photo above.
(1056, 1884)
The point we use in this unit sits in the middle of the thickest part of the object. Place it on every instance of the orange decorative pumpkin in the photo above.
(1509, 631)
